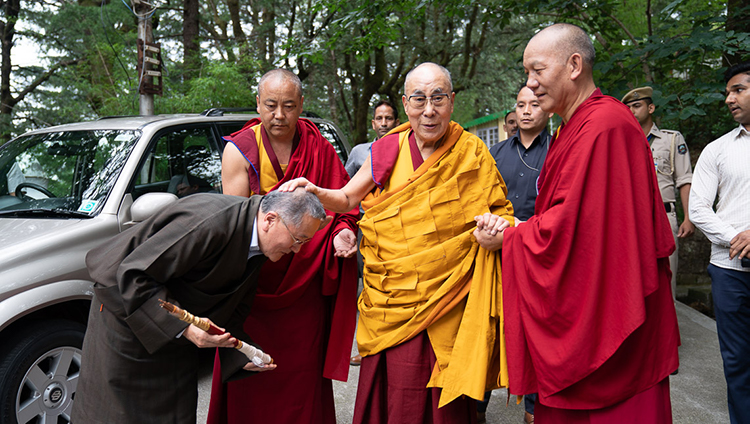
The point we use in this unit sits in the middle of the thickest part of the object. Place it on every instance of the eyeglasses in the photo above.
(296, 240)
(419, 101)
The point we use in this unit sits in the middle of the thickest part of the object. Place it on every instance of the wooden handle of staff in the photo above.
(257, 356)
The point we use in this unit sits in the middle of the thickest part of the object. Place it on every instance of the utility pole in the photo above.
(149, 58)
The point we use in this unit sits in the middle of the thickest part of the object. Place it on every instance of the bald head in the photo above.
(280, 76)
(559, 62)
(566, 40)
(432, 69)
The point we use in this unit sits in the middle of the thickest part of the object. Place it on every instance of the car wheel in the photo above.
(39, 373)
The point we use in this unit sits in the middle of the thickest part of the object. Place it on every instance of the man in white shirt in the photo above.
(723, 171)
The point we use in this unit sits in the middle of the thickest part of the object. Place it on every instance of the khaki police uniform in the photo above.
(673, 170)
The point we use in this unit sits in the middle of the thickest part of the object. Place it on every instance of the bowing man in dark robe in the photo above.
(203, 253)
(589, 319)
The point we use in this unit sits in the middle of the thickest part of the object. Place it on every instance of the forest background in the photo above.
(350, 54)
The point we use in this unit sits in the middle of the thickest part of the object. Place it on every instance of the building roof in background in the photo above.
(485, 119)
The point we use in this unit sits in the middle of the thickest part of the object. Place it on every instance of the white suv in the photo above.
(65, 190)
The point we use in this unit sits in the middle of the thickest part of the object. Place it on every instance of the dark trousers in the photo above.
(731, 296)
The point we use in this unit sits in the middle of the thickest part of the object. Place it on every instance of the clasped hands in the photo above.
(490, 231)
(203, 339)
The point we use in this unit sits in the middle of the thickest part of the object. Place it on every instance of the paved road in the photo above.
(698, 391)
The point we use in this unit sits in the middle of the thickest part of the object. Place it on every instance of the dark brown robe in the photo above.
(194, 254)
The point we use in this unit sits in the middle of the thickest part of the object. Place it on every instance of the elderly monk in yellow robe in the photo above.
(430, 313)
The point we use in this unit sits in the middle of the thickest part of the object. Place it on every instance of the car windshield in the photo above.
(63, 174)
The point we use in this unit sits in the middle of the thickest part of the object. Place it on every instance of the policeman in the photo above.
(672, 163)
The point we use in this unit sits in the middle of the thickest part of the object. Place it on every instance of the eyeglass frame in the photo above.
(428, 98)
(296, 240)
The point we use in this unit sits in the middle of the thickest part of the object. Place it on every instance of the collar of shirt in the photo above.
(740, 132)
(542, 139)
(655, 131)
(254, 246)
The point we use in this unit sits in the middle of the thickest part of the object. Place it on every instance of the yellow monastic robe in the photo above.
(425, 270)
(268, 178)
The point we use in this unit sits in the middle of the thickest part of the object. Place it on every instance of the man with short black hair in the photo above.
(384, 119)
(510, 123)
(722, 173)
(672, 164)
(520, 158)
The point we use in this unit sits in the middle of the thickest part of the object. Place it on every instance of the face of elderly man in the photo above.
(428, 85)
(548, 73)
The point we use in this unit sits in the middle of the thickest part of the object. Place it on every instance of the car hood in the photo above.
(15, 231)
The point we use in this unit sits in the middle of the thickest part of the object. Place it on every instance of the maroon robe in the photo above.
(589, 318)
(305, 308)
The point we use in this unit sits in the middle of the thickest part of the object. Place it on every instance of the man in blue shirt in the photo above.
(520, 157)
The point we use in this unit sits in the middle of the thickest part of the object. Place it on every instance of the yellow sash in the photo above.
(268, 177)
(424, 269)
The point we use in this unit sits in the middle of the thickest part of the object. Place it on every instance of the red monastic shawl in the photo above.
(314, 267)
(590, 319)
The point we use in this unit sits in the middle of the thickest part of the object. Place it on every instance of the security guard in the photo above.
(672, 163)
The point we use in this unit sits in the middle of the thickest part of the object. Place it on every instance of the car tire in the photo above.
(39, 373)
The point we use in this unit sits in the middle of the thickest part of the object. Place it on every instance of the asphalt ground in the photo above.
(698, 391)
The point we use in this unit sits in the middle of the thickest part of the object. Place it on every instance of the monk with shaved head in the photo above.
(429, 316)
(589, 319)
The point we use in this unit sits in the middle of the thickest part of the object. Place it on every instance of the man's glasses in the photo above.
(419, 101)
(296, 240)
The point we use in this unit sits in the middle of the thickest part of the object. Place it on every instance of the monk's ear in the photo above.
(575, 64)
(325, 222)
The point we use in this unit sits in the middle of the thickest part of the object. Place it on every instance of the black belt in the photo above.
(669, 207)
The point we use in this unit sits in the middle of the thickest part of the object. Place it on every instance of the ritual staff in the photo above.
(430, 310)
(203, 253)
(304, 312)
(589, 317)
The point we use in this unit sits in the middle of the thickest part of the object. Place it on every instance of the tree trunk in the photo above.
(190, 43)
(11, 10)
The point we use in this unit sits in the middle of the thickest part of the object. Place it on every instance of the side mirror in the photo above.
(149, 204)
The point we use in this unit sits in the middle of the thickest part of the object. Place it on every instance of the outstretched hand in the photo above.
(202, 339)
(252, 367)
(345, 244)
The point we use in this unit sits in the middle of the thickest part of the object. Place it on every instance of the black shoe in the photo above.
(675, 372)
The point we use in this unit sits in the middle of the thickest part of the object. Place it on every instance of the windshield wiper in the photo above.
(45, 212)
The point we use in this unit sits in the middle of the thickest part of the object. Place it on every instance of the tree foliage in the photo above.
(351, 54)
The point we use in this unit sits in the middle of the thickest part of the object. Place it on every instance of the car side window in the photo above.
(182, 162)
(330, 134)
